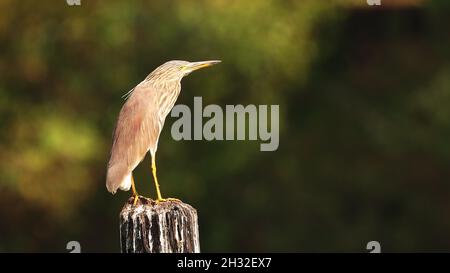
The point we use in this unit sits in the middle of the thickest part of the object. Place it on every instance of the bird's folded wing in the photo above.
(136, 132)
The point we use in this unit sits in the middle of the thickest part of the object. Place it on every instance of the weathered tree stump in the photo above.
(165, 227)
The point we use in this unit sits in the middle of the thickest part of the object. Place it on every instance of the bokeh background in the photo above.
(364, 95)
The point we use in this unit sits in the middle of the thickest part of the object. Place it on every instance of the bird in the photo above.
(140, 122)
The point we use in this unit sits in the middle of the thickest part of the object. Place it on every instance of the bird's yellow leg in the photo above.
(155, 179)
(133, 188)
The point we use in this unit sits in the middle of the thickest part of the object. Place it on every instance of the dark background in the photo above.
(364, 95)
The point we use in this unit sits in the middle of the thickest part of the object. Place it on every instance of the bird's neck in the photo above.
(166, 85)
(160, 83)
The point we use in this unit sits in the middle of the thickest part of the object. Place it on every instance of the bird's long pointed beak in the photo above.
(197, 65)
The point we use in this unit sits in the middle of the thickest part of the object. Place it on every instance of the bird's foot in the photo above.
(136, 198)
(159, 200)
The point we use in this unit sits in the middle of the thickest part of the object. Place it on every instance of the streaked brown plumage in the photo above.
(141, 120)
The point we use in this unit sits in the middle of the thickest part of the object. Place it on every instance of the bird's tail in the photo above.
(118, 177)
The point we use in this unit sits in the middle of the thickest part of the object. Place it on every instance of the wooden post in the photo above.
(166, 227)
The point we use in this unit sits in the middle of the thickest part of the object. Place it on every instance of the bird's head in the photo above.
(176, 70)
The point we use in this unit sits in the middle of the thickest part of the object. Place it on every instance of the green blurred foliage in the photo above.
(364, 95)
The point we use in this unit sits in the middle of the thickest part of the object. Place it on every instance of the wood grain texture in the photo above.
(166, 227)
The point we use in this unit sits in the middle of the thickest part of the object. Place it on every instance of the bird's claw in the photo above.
(136, 198)
(159, 200)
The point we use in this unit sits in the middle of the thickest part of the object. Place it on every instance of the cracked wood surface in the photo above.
(166, 227)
